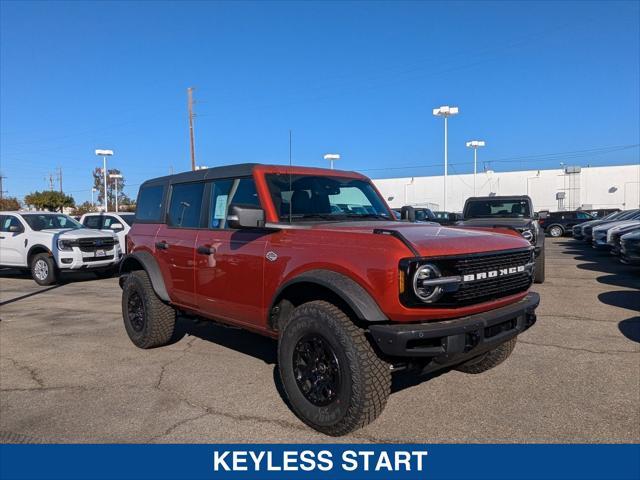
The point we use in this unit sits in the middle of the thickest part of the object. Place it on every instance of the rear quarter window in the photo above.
(149, 204)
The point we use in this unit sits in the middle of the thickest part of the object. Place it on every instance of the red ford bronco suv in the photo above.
(316, 259)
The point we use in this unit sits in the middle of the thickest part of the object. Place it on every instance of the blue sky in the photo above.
(358, 78)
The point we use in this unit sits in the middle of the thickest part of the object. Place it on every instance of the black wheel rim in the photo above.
(316, 370)
(135, 309)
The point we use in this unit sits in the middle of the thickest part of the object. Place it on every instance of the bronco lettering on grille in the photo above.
(471, 277)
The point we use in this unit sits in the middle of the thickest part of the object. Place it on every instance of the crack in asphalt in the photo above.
(206, 410)
(579, 319)
(564, 347)
(33, 372)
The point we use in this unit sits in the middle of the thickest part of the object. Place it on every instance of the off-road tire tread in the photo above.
(492, 359)
(161, 318)
(372, 392)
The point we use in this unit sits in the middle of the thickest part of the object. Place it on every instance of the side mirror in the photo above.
(16, 229)
(245, 216)
(536, 215)
(408, 213)
(117, 226)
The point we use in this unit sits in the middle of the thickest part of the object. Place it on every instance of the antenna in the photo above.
(290, 189)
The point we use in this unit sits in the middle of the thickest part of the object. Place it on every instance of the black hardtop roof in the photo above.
(238, 170)
(499, 197)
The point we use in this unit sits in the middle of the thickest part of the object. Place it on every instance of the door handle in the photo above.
(206, 250)
(162, 245)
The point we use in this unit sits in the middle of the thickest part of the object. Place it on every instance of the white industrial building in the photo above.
(557, 189)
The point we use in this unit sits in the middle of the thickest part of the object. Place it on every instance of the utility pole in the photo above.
(60, 178)
(1, 189)
(191, 136)
(50, 181)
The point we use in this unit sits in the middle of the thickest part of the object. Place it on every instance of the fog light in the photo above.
(66, 260)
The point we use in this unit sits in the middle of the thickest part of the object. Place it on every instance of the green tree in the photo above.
(9, 203)
(98, 184)
(86, 207)
(49, 200)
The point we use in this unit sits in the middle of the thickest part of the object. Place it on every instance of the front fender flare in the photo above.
(146, 262)
(358, 299)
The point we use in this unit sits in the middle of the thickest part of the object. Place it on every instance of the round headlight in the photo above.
(528, 235)
(421, 287)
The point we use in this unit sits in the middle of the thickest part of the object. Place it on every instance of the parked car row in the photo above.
(47, 244)
(618, 232)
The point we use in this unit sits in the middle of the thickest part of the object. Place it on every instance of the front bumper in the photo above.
(455, 341)
(76, 259)
(599, 241)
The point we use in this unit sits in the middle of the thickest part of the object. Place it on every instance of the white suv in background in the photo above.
(47, 243)
(118, 223)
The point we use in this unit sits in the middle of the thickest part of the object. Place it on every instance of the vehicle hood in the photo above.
(626, 224)
(77, 233)
(498, 222)
(437, 240)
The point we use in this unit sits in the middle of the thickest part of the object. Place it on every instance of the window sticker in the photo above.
(221, 207)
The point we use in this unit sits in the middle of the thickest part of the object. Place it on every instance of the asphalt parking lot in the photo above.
(68, 372)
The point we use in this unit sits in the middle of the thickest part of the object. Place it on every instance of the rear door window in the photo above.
(149, 206)
(186, 205)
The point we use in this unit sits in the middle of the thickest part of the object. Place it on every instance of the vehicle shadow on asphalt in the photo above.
(618, 275)
(32, 294)
(242, 341)
(630, 328)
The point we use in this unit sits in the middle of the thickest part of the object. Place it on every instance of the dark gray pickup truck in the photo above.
(514, 212)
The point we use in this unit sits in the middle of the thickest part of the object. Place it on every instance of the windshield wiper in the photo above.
(298, 216)
(367, 215)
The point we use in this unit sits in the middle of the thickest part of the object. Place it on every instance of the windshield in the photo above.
(424, 214)
(312, 197)
(498, 208)
(44, 221)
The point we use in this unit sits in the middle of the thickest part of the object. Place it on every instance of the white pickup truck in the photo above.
(48, 243)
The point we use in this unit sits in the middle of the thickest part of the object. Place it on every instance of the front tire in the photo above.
(555, 231)
(148, 320)
(540, 266)
(44, 270)
(332, 377)
(489, 360)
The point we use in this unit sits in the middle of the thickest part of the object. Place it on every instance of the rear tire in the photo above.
(44, 270)
(555, 231)
(539, 271)
(489, 360)
(332, 377)
(148, 320)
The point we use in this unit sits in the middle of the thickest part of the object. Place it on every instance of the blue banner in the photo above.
(335, 462)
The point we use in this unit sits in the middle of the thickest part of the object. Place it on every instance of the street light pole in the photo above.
(104, 154)
(475, 144)
(115, 178)
(332, 157)
(446, 112)
(93, 189)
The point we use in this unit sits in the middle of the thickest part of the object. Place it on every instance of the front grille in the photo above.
(92, 244)
(490, 288)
